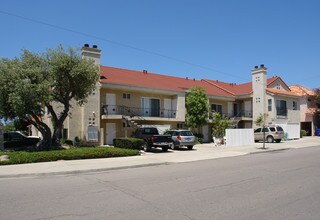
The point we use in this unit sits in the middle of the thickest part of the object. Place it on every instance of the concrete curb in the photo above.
(269, 150)
(81, 171)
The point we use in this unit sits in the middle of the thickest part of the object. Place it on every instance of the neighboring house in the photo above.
(125, 99)
(308, 108)
(263, 96)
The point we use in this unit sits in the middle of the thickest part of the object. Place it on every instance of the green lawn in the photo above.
(20, 157)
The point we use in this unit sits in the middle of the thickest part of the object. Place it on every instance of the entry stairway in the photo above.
(130, 117)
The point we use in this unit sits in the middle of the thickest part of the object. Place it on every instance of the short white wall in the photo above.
(293, 130)
(239, 137)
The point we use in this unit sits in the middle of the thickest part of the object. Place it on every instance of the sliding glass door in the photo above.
(150, 107)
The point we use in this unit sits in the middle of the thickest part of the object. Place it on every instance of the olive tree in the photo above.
(34, 82)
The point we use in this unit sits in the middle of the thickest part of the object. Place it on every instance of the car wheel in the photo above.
(270, 139)
(146, 147)
(164, 149)
(190, 147)
(278, 140)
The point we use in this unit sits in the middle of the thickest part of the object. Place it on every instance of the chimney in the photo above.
(91, 53)
(259, 86)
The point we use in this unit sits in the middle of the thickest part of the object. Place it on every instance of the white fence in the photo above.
(239, 137)
(293, 130)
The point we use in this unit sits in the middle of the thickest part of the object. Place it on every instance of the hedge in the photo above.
(128, 143)
(19, 157)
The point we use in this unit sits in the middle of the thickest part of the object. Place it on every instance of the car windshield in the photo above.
(186, 133)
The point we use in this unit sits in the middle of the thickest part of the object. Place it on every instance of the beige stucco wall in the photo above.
(293, 116)
(223, 103)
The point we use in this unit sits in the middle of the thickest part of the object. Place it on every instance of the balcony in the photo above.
(108, 110)
(282, 112)
(243, 115)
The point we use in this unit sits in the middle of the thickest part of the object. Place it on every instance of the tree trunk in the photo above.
(58, 122)
(46, 142)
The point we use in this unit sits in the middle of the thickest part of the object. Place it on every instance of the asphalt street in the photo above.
(272, 185)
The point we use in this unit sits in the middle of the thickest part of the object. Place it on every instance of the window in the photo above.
(269, 105)
(294, 105)
(257, 130)
(217, 108)
(92, 133)
(150, 131)
(179, 125)
(257, 100)
(278, 86)
(281, 108)
(258, 79)
(186, 133)
(126, 96)
(272, 129)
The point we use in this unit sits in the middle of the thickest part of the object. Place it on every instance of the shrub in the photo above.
(20, 157)
(128, 143)
(303, 133)
(68, 142)
(219, 125)
(199, 137)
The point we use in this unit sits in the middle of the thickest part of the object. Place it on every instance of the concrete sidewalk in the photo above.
(200, 152)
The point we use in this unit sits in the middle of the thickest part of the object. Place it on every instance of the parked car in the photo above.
(275, 133)
(152, 138)
(17, 140)
(182, 138)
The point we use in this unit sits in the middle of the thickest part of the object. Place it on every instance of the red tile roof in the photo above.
(142, 79)
(126, 77)
(238, 89)
(281, 92)
(232, 88)
(301, 90)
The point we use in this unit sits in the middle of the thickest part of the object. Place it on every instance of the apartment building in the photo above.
(308, 108)
(124, 99)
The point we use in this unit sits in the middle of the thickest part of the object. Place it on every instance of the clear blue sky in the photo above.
(211, 39)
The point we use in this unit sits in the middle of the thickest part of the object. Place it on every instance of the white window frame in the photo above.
(221, 112)
(269, 105)
(126, 95)
(294, 105)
